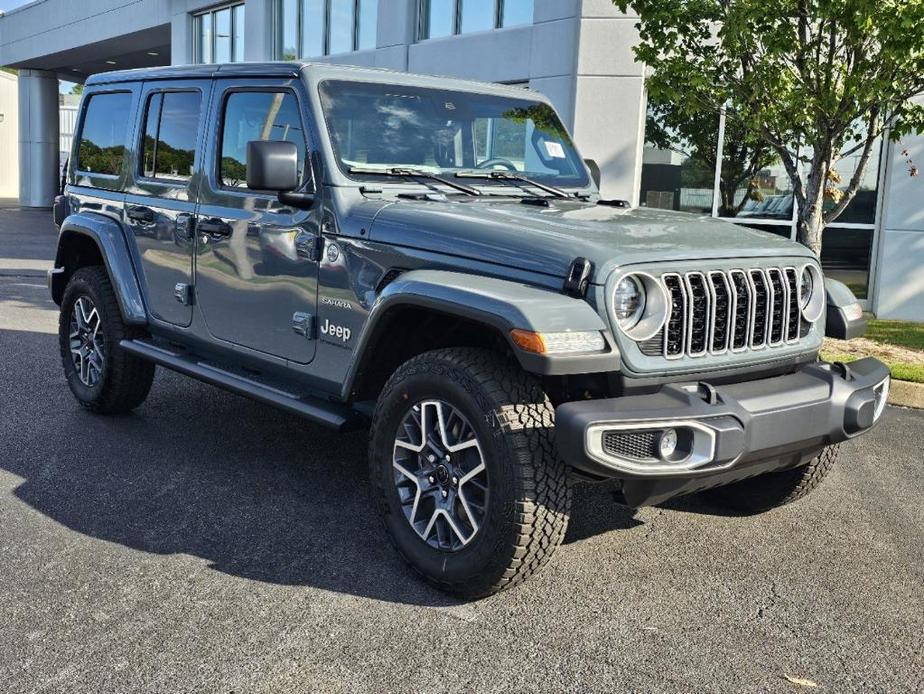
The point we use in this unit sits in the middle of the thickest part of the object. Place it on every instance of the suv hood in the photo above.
(547, 239)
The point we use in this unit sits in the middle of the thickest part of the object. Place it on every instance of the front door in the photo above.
(160, 201)
(257, 259)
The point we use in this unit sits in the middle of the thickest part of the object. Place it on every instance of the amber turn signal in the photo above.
(528, 341)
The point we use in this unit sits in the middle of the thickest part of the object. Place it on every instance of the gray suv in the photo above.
(431, 260)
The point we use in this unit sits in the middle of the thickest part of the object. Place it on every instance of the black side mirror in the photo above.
(594, 170)
(845, 319)
(272, 165)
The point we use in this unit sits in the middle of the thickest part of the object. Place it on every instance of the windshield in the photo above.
(385, 126)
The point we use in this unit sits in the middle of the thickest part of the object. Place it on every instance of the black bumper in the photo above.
(726, 433)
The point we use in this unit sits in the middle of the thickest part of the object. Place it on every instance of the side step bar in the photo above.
(315, 409)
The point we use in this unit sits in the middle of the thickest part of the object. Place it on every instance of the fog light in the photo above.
(881, 393)
(667, 444)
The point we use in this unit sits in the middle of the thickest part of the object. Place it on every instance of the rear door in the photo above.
(257, 261)
(161, 198)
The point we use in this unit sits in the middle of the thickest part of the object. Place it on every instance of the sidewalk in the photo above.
(27, 242)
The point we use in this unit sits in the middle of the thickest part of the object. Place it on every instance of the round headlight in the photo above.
(806, 286)
(628, 301)
(638, 305)
(811, 293)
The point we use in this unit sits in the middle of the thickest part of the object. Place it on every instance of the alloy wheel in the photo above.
(440, 475)
(88, 348)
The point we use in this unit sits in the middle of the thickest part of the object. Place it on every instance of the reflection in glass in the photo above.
(678, 164)
(312, 43)
(175, 151)
(517, 12)
(102, 139)
(341, 27)
(381, 126)
(204, 31)
(368, 23)
(152, 120)
(862, 209)
(222, 23)
(257, 116)
(845, 256)
(477, 15)
(287, 30)
(440, 19)
(238, 41)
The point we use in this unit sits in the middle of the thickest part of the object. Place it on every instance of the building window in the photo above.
(219, 34)
(683, 162)
(447, 17)
(311, 28)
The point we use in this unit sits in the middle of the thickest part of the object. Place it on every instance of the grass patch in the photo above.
(900, 370)
(896, 332)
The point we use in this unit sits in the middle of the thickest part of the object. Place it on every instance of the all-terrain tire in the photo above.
(772, 489)
(529, 491)
(125, 380)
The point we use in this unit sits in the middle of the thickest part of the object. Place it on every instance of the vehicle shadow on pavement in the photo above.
(255, 492)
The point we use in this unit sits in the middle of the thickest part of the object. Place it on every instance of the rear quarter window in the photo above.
(102, 148)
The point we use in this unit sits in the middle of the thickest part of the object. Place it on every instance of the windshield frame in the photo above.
(582, 184)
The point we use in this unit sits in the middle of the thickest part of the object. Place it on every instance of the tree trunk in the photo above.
(810, 219)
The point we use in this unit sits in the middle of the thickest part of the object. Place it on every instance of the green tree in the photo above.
(816, 80)
(77, 89)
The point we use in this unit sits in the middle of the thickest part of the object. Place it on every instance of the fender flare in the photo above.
(108, 236)
(501, 304)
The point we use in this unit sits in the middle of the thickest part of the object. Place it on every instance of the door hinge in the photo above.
(303, 324)
(309, 246)
(183, 293)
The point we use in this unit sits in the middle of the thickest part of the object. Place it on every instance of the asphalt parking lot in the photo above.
(208, 543)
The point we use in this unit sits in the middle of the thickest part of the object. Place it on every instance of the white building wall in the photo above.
(9, 136)
(900, 278)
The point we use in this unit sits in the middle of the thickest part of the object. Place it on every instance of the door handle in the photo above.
(140, 214)
(214, 228)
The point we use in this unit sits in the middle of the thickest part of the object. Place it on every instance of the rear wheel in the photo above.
(100, 374)
(772, 489)
(465, 473)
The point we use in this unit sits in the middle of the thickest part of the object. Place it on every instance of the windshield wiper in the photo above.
(511, 176)
(404, 172)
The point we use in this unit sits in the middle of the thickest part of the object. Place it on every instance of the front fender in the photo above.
(108, 237)
(501, 304)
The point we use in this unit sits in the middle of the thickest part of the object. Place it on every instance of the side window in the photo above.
(257, 116)
(171, 124)
(102, 137)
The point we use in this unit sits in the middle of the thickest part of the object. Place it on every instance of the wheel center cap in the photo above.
(442, 474)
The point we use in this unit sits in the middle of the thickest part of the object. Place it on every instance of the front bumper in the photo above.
(724, 433)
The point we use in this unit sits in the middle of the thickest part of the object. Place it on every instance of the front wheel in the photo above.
(464, 469)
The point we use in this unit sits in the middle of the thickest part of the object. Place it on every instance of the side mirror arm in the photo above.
(301, 201)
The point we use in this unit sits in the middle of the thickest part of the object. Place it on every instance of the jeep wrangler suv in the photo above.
(431, 259)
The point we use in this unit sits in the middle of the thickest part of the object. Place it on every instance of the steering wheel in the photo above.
(495, 162)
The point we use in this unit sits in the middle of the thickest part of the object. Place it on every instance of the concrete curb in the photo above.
(906, 394)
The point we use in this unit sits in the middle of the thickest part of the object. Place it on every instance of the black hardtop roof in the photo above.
(295, 69)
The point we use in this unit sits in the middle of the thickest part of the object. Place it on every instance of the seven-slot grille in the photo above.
(728, 311)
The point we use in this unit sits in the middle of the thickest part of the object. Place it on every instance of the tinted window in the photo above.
(171, 126)
(257, 116)
(102, 139)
